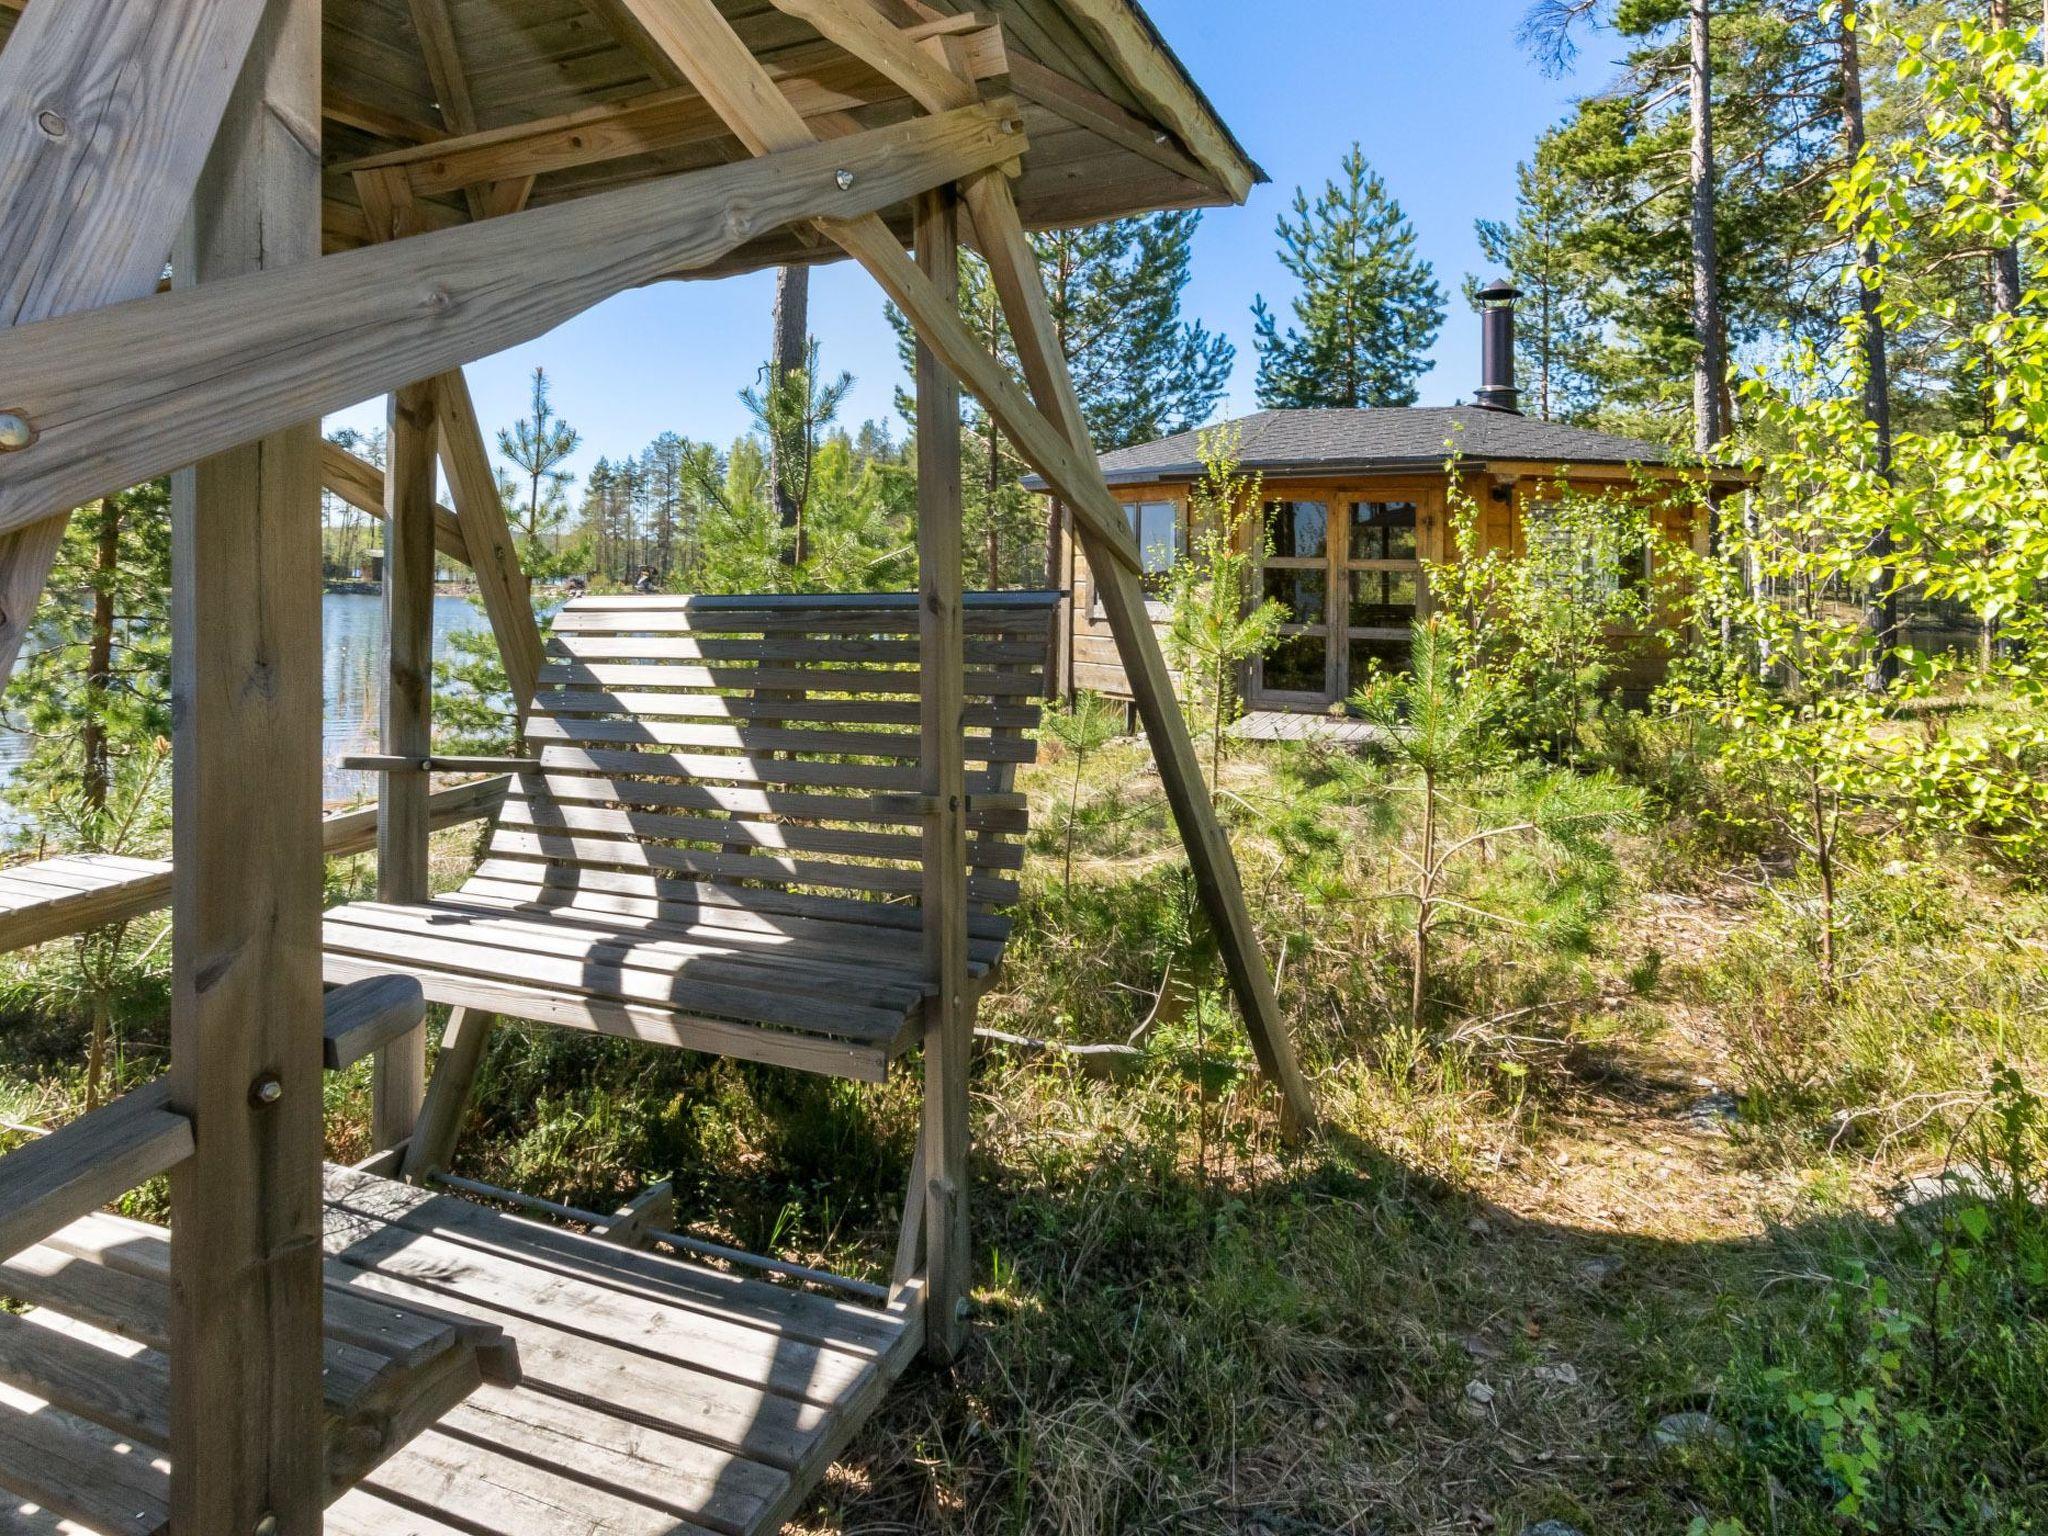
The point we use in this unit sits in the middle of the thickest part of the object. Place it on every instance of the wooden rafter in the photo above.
(1116, 27)
(819, 83)
(122, 393)
(712, 54)
(436, 29)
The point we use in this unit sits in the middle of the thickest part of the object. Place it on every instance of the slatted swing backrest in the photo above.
(708, 747)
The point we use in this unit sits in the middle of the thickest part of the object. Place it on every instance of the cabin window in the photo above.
(1382, 530)
(1157, 528)
(1297, 530)
(1384, 599)
(1585, 572)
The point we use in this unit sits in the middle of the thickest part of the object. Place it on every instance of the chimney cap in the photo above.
(1499, 291)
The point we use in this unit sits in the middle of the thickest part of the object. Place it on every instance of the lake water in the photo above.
(352, 683)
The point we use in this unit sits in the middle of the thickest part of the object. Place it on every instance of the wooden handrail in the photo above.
(391, 762)
(106, 1152)
(145, 885)
(79, 1167)
(362, 1015)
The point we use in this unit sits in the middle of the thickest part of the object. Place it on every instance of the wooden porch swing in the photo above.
(781, 829)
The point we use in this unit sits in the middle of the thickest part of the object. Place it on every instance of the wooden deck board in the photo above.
(656, 1397)
(1287, 725)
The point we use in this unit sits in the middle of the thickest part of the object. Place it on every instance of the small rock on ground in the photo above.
(1551, 1528)
(1714, 1113)
(1599, 1270)
(1675, 1430)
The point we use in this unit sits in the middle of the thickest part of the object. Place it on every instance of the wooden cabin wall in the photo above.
(1087, 659)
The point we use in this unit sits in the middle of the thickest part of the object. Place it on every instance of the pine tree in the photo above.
(791, 412)
(92, 690)
(1556, 333)
(1369, 307)
(538, 444)
(1140, 369)
(1625, 163)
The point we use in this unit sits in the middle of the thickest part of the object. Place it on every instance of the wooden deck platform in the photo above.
(1287, 725)
(653, 1395)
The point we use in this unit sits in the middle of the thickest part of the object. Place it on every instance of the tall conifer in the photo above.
(1369, 307)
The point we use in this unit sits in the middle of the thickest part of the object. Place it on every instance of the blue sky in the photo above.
(1436, 92)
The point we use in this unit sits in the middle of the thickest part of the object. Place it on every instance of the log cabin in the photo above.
(1354, 509)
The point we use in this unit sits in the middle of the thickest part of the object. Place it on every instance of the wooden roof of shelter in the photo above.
(470, 94)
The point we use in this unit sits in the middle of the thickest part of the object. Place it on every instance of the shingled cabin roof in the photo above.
(1323, 442)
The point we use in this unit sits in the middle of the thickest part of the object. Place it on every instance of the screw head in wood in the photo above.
(16, 431)
(263, 1093)
(843, 180)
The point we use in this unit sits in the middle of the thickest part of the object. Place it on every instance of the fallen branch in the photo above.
(1105, 1063)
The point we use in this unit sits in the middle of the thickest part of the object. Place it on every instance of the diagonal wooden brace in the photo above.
(110, 106)
(1050, 434)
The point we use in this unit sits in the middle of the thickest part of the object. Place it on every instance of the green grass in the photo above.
(1509, 1257)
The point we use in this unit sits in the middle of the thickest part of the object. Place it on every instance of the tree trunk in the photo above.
(2005, 260)
(96, 776)
(1711, 363)
(1881, 616)
(791, 352)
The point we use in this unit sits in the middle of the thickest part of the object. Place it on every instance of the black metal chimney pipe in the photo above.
(1497, 390)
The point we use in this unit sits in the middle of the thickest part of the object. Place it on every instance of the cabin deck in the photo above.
(652, 1395)
(1287, 725)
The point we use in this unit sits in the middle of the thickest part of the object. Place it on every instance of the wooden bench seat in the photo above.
(719, 846)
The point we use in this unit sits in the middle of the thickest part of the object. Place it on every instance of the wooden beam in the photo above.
(123, 393)
(361, 484)
(107, 125)
(712, 54)
(436, 29)
(246, 1414)
(942, 777)
(820, 81)
(80, 1166)
(619, 22)
(706, 48)
(1119, 29)
(363, 1015)
(490, 551)
(144, 885)
(1073, 476)
(1075, 103)
(399, 1079)
(671, 119)
(859, 28)
(463, 1042)
(353, 112)
(1014, 267)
